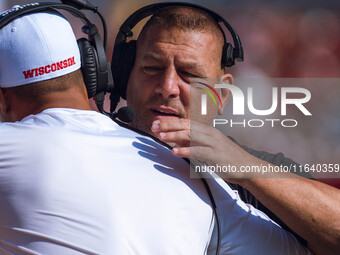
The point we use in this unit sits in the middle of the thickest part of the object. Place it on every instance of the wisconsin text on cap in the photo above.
(49, 68)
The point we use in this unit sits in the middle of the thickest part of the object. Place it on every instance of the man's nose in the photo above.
(169, 84)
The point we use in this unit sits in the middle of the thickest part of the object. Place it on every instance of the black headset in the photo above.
(94, 65)
(124, 53)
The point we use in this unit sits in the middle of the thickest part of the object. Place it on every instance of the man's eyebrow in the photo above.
(194, 67)
(191, 64)
(187, 64)
(151, 55)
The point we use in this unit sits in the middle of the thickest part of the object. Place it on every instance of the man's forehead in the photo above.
(157, 31)
(175, 38)
(189, 48)
(163, 52)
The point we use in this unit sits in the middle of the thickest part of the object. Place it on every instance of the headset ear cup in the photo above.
(227, 55)
(88, 66)
(128, 61)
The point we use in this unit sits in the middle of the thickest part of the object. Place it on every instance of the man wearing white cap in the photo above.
(70, 178)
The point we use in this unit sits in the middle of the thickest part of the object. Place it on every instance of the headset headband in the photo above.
(125, 30)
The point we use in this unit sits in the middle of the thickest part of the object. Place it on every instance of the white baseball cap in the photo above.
(37, 47)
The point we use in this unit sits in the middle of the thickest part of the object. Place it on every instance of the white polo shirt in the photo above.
(74, 182)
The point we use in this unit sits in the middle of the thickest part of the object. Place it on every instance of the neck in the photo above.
(73, 98)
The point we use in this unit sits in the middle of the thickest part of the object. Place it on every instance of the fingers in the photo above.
(185, 133)
(183, 152)
(171, 124)
(198, 142)
(180, 138)
(177, 132)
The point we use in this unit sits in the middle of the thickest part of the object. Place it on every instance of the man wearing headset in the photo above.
(181, 43)
(70, 178)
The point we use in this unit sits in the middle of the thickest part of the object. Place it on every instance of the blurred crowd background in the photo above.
(295, 42)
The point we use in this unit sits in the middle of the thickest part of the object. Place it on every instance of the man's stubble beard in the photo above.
(139, 123)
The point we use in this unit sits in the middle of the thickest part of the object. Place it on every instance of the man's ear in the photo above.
(225, 93)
